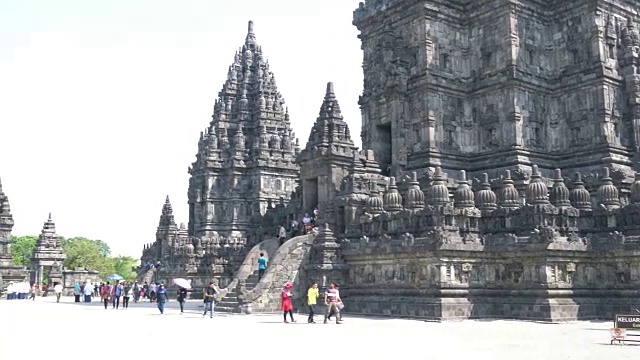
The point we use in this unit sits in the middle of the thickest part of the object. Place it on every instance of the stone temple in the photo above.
(457, 207)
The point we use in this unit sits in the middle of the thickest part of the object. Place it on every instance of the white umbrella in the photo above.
(183, 283)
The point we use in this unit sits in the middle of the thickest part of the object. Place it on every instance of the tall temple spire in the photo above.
(330, 127)
(249, 140)
(167, 219)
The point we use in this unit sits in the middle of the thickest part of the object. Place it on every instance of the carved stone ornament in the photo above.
(467, 268)
(571, 267)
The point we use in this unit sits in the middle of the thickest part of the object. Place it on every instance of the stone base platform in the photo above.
(505, 307)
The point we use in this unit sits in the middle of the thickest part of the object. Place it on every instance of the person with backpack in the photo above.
(208, 294)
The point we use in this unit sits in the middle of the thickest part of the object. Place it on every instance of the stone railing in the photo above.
(250, 264)
(284, 267)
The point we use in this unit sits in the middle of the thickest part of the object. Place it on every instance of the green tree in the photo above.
(21, 248)
(83, 252)
(123, 266)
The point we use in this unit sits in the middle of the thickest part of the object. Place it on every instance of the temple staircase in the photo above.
(147, 276)
(229, 303)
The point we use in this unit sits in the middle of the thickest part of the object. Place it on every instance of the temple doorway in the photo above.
(384, 147)
(310, 194)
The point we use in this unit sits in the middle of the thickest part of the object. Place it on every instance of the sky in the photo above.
(102, 102)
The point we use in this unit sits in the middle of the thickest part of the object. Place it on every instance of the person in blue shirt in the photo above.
(262, 265)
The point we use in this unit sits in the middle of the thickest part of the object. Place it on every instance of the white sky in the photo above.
(102, 102)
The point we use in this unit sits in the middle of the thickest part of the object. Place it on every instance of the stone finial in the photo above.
(330, 91)
(49, 219)
(508, 194)
(463, 196)
(579, 195)
(486, 199)
(374, 203)
(438, 191)
(607, 192)
(537, 192)
(414, 195)
(392, 198)
(560, 195)
(250, 27)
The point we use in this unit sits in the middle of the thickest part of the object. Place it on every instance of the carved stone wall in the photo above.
(468, 85)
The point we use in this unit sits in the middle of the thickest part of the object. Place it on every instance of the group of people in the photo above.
(304, 226)
(332, 301)
(21, 291)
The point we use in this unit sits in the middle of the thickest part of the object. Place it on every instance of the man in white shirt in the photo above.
(57, 289)
(10, 291)
(88, 291)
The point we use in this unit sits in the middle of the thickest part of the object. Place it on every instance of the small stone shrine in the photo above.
(47, 257)
(8, 269)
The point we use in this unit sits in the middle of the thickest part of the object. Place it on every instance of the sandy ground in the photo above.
(59, 330)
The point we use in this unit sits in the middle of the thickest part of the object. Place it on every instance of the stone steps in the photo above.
(230, 304)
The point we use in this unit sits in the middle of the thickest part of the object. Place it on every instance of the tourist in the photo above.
(126, 294)
(10, 291)
(312, 300)
(105, 293)
(136, 292)
(116, 293)
(152, 292)
(32, 292)
(76, 292)
(208, 294)
(340, 304)
(294, 227)
(282, 234)
(145, 290)
(331, 300)
(315, 216)
(88, 291)
(262, 265)
(182, 297)
(287, 303)
(57, 289)
(96, 290)
(162, 298)
(306, 222)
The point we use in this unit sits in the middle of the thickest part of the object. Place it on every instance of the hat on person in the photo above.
(288, 285)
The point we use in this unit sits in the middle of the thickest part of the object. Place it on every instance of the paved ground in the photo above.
(57, 331)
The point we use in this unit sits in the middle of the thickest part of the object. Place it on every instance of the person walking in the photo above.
(88, 292)
(161, 298)
(262, 265)
(57, 289)
(331, 300)
(115, 295)
(105, 294)
(76, 293)
(32, 292)
(287, 302)
(340, 305)
(282, 234)
(182, 297)
(126, 295)
(312, 299)
(208, 294)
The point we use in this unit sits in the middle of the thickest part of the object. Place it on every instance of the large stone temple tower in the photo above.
(471, 84)
(8, 269)
(246, 157)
